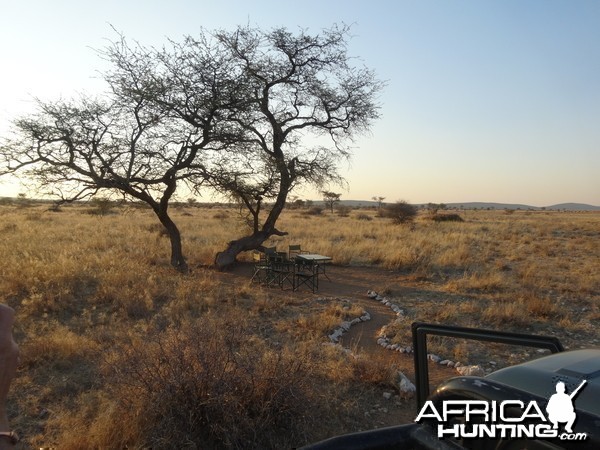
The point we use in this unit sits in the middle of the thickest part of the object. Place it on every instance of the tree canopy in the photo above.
(248, 113)
(330, 199)
(304, 105)
(127, 142)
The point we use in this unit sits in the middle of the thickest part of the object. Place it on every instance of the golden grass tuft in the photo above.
(211, 382)
(56, 344)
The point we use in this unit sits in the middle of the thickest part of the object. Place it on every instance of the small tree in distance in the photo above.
(330, 199)
(401, 212)
(379, 201)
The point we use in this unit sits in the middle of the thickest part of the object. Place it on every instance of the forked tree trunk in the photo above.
(256, 239)
(234, 248)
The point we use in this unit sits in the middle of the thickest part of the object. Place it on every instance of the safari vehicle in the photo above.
(466, 404)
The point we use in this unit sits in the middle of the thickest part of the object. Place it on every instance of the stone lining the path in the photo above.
(406, 388)
(385, 342)
(345, 326)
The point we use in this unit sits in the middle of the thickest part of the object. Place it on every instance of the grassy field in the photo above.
(120, 350)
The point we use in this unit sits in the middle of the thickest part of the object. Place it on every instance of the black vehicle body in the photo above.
(531, 381)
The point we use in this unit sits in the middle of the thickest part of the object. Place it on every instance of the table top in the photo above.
(313, 257)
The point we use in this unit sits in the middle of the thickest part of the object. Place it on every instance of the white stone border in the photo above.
(385, 342)
(405, 387)
(342, 328)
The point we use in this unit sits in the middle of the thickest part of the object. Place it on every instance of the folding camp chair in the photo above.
(282, 270)
(294, 250)
(271, 258)
(306, 274)
(270, 251)
(261, 268)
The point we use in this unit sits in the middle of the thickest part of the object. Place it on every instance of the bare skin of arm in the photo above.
(9, 359)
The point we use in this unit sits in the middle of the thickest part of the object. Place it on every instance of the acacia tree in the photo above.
(299, 107)
(253, 114)
(126, 143)
(73, 151)
(379, 199)
(330, 199)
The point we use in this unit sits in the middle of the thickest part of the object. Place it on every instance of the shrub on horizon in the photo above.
(446, 218)
(400, 212)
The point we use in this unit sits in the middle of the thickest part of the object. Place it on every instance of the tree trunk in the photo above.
(234, 248)
(256, 239)
(177, 259)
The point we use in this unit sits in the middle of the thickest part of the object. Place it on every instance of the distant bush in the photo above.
(363, 216)
(400, 212)
(221, 215)
(314, 211)
(101, 206)
(343, 210)
(23, 201)
(55, 207)
(296, 204)
(446, 218)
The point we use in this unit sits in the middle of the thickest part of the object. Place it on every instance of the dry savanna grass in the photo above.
(120, 350)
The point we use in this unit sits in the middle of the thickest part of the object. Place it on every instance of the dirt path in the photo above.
(344, 282)
(353, 283)
(363, 336)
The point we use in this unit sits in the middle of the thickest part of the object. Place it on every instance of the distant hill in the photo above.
(574, 207)
(371, 203)
(488, 205)
(558, 207)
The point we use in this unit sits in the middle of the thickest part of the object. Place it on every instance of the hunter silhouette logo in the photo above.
(560, 407)
(507, 419)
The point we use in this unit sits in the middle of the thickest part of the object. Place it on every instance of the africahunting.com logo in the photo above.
(508, 419)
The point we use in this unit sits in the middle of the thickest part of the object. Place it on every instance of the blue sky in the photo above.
(486, 101)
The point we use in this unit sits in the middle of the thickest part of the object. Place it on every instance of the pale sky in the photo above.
(486, 100)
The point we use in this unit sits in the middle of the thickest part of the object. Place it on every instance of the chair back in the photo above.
(269, 252)
(294, 250)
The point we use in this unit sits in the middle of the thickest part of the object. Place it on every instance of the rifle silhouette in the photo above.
(574, 393)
